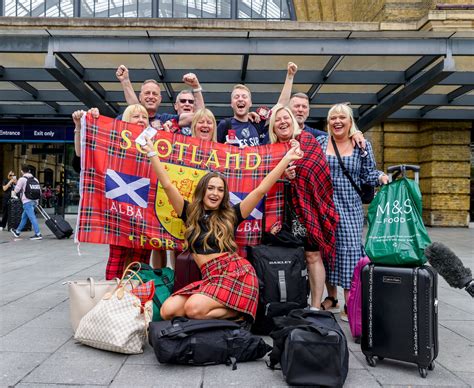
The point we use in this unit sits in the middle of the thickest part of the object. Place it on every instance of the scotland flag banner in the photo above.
(123, 204)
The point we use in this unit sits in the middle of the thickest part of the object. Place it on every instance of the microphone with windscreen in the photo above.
(450, 267)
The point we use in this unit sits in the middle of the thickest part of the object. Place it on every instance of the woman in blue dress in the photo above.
(361, 166)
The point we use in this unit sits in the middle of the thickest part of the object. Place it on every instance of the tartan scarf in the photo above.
(312, 197)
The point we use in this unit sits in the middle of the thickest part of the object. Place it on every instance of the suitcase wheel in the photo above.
(423, 372)
(431, 366)
(371, 361)
(380, 358)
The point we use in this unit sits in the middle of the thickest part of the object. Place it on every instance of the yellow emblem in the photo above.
(185, 179)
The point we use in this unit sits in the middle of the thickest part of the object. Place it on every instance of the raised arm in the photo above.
(254, 197)
(124, 78)
(192, 81)
(76, 117)
(286, 91)
(173, 194)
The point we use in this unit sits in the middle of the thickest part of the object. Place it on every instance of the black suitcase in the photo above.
(400, 315)
(15, 210)
(56, 224)
(186, 270)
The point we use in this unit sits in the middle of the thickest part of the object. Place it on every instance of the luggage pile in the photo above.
(399, 293)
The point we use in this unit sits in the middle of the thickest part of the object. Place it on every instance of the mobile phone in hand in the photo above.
(148, 132)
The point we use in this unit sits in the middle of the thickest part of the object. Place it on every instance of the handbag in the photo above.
(119, 322)
(366, 192)
(164, 282)
(84, 295)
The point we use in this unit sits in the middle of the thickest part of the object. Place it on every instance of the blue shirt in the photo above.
(246, 132)
(313, 131)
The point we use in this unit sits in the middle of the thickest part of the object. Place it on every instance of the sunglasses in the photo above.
(186, 100)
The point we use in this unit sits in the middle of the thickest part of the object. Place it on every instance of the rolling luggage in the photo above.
(280, 266)
(56, 224)
(15, 210)
(186, 270)
(400, 315)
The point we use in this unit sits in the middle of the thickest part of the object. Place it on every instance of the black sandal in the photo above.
(334, 307)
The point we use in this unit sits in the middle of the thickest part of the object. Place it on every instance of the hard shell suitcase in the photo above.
(400, 315)
(186, 270)
(56, 224)
(15, 210)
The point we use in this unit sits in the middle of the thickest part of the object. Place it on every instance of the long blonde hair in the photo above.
(296, 127)
(345, 109)
(198, 115)
(221, 221)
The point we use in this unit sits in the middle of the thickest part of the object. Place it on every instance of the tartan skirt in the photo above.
(119, 256)
(230, 280)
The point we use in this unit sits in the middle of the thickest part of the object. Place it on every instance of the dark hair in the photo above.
(25, 168)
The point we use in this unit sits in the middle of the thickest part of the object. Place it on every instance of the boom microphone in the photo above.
(450, 267)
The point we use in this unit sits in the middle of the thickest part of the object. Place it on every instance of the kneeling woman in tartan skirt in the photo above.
(229, 285)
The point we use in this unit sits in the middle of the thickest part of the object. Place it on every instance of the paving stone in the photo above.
(448, 312)
(36, 385)
(454, 351)
(146, 358)
(16, 317)
(78, 368)
(360, 378)
(14, 366)
(462, 328)
(51, 319)
(467, 377)
(34, 339)
(144, 376)
(389, 372)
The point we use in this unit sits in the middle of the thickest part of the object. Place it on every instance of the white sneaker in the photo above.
(343, 315)
(36, 237)
(1, 228)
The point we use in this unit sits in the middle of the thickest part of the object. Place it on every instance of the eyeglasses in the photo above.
(186, 100)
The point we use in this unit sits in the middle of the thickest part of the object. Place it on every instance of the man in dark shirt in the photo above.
(7, 185)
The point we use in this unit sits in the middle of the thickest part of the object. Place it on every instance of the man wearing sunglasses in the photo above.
(150, 98)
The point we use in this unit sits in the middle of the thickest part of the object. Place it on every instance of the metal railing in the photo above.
(200, 9)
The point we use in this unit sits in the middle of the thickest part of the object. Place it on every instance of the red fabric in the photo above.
(119, 256)
(145, 291)
(312, 196)
(229, 279)
(108, 144)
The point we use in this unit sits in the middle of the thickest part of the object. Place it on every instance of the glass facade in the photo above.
(201, 9)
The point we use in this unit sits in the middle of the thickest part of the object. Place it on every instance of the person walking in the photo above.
(30, 190)
(7, 185)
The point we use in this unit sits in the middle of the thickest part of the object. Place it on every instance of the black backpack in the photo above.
(32, 188)
(204, 342)
(311, 348)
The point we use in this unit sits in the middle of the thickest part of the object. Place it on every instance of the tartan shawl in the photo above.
(312, 197)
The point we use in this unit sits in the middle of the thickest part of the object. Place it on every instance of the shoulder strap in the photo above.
(344, 169)
(183, 327)
(228, 125)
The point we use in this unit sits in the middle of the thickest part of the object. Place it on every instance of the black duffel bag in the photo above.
(311, 348)
(204, 342)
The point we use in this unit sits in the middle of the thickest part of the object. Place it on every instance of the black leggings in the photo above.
(4, 214)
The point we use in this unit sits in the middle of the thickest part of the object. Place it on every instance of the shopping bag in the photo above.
(396, 234)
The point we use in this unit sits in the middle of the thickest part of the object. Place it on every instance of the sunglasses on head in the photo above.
(186, 100)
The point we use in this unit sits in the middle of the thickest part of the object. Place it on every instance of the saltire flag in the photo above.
(123, 204)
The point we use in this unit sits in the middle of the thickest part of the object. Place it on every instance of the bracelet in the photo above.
(77, 130)
(197, 90)
(151, 154)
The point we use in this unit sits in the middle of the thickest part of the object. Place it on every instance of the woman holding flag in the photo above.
(229, 286)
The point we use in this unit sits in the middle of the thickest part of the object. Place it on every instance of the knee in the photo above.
(169, 310)
(313, 257)
(195, 310)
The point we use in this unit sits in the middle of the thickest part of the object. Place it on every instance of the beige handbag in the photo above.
(117, 323)
(84, 295)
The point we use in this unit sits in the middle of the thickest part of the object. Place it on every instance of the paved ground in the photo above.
(37, 348)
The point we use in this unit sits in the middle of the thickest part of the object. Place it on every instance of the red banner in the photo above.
(122, 203)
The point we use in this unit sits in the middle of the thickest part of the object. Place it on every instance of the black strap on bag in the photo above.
(367, 192)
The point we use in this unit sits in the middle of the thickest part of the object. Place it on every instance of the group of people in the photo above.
(324, 202)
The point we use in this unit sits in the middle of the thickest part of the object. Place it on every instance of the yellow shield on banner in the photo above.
(185, 179)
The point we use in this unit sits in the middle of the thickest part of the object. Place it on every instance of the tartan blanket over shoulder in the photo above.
(312, 197)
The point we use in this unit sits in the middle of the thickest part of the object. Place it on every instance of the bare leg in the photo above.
(317, 276)
(200, 306)
(173, 307)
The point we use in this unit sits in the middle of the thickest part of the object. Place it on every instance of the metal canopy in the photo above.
(75, 72)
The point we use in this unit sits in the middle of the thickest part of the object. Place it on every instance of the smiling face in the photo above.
(150, 97)
(184, 103)
(204, 128)
(214, 194)
(240, 103)
(300, 109)
(139, 117)
(339, 124)
(283, 127)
